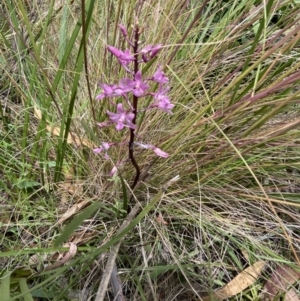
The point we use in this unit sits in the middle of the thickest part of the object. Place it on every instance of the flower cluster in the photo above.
(136, 85)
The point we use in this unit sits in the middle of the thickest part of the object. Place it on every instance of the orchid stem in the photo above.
(134, 111)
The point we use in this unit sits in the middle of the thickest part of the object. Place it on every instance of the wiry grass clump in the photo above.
(233, 139)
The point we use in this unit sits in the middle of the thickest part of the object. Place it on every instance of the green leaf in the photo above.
(25, 184)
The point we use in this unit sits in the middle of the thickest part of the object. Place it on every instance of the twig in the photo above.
(116, 285)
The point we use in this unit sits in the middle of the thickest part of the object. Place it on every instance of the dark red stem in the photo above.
(134, 105)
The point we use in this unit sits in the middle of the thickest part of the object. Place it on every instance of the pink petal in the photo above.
(98, 150)
(103, 124)
(138, 76)
(155, 50)
(120, 108)
(160, 77)
(119, 126)
(146, 49)
(114, 51)
(113, 116)
(113, 171)
(160, 153)
(105, 145)
(130, 124)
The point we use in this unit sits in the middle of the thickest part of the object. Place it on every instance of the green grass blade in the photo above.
(125, 198)
(25, 290)
(68, 113)
(5, 286)
(75, 223)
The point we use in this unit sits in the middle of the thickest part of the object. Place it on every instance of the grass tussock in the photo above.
(233, 139)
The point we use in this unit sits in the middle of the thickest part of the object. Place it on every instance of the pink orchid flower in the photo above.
(124, 57)
(157, 150)
(121, 118)
(150, 51)
(160, 77)
(103, 148)
(163, 100)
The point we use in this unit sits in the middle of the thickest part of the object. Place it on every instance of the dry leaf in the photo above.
(281, 279)
(60, 259)
(65, 258)
(82, 237)
(72, 211)
(69, 187)
(71, 253)
(239, 283)
(72, 188)
(72, 138)
(245, 254)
